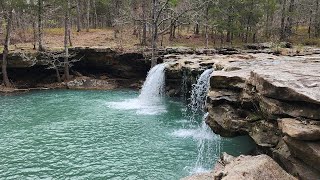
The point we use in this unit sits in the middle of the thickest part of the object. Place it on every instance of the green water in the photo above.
(81, 135)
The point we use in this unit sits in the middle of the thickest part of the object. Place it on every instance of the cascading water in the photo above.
(184, 85)
(153, 87)
(199, 92)
(207, 142)
(207, 147)
(149, 101)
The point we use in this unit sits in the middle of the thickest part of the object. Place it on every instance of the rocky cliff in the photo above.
(98, 68)
(273, 99)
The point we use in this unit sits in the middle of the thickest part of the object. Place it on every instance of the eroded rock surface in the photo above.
(244, 168)
(307, 130)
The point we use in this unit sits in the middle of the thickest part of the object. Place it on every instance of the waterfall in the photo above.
(199, 92)
(149, 102)
(153, 87)
(198, 95)
(184, 85)
(207, 147)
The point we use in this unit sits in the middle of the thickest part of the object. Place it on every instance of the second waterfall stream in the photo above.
(208, 143)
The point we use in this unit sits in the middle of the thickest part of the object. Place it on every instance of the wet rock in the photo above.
(308, 152)
(300, 130)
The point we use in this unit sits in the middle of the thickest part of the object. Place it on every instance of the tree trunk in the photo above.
(310, 25)
(154, 32)
(317, 19)
(144, 24)
(34, 35)
(58, 75)
(283, 23)
(40, 27)
(95, 21)
(88, 15)
(197, 29)
(206, 26)
(66, 30)
(69, 23)
(78, 16)
(290, 19)
(8, 18)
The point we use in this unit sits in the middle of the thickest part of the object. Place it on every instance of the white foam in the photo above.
(199, 170)
(197, 134)
(141, 107)
(150, 100)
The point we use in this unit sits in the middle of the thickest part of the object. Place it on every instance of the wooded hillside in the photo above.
(154, 23)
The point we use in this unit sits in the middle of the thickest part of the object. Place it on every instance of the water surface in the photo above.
(84, 135)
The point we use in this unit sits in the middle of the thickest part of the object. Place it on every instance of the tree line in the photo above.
(218, 21)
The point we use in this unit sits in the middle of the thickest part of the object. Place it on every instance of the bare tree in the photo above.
(66, 35)
(8, 19)
(40, 25)
(88, 15)
(78, 15)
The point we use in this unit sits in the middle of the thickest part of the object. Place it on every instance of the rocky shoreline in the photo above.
(273, 99)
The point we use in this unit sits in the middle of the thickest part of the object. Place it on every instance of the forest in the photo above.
(217, 21)
(132, 24)
(160, 89)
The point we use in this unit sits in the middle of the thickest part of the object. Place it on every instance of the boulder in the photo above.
(251, 167)
(308, 131)
(308, 152)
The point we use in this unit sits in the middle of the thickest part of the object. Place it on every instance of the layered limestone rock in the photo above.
(268, 99)
(273, 99)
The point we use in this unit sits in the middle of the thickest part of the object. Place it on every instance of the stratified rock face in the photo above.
(244, 168)
(95, 62)
(308, 152)
(306, 131)
(267, 99)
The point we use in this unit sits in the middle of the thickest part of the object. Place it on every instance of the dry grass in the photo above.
(54, 39)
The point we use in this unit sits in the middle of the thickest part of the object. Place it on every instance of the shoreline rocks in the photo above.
(244, 168)
(273, 99)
